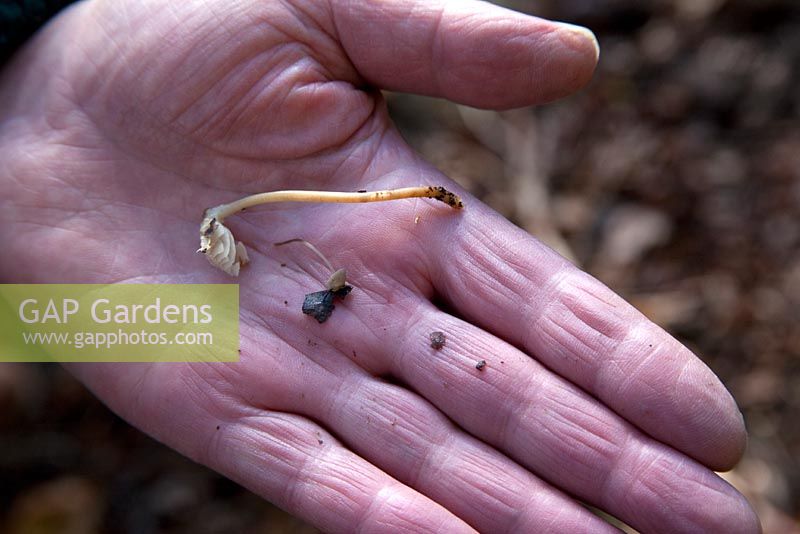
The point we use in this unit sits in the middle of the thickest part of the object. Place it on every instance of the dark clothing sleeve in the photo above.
(19, 19)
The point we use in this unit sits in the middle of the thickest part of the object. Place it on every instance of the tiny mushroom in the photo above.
(224, 252)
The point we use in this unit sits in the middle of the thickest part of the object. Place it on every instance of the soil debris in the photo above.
(438, 340)
(320, 305)
(443, 195)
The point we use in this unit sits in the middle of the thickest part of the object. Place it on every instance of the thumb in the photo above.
(468, 51)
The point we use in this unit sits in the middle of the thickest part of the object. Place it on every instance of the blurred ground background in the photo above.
(674, 178)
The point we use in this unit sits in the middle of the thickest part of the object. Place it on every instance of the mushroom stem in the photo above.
(223, 251)
(439, 193)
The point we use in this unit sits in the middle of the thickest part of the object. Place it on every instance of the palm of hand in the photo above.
(179, 117)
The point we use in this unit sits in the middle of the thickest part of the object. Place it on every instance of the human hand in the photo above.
(122, 121)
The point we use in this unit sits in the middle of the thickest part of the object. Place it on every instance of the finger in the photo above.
(549, 425)
(318, 371)
(471, 52)
(404, 435)
(505, 280)
(544, 422)
(284, 458)
(304, 470)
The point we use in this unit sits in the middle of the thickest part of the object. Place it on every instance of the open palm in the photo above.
(123, 121)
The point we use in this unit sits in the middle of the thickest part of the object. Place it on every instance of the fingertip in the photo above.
(574, 52)
(739, 438)
(731, 442)
(743, 518)
(552, 61)
(581, 40)
(717, 435)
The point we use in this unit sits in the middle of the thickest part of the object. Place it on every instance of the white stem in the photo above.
(439, 193)
(224, 252)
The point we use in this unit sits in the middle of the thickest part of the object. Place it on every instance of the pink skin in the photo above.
(122, 121)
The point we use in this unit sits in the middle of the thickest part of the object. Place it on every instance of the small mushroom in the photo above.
(224, 252)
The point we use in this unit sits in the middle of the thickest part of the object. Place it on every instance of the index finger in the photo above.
(501, 278)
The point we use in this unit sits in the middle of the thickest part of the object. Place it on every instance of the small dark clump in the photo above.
(437, 340)
(480, 365)
(319, 304)
(443, 195)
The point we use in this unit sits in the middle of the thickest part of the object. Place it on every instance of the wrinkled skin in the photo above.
(122, 121)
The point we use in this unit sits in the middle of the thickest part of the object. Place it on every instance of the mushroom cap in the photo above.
(220, 247)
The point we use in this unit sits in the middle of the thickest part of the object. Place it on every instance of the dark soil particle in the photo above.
(438, 340)
(443, 195)
(319, 304)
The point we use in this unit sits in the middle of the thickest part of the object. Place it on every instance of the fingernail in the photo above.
(577, 37)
